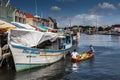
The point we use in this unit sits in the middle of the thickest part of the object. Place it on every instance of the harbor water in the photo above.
(104, 66)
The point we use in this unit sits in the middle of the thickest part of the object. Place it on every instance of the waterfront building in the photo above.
(49, 22)
(116, 27)
(31, 20)
(52, 23)
(10, 14)
(6, 12)
(20, 16)
(44, 22)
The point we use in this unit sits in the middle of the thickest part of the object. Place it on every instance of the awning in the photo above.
(51, 29)
(17, 25)
(30, 38)
(44, 28)
(5, 26)
(24, 26)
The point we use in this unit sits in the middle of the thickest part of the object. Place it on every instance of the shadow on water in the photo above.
(7, 74)
(54, 71)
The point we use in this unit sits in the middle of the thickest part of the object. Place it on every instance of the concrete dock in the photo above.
(3, 56)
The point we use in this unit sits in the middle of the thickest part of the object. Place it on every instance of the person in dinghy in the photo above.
(74, 54)
(91, 49)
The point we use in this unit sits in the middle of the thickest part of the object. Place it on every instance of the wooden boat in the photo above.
(33, 49)
(82, 59)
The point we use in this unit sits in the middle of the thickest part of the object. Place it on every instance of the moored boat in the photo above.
(80, 58)
(33, 48)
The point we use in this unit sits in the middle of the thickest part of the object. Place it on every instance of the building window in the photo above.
(9, 14)
(3, 12)
(0, 2)
(0, 11)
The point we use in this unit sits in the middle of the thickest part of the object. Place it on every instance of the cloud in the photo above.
(88, 19)
(103, 9)
(94, 9)
(81, 19)
(118, 4)
(55, 8)
(106, 5)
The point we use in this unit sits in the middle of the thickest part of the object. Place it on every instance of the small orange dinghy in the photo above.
(82, 57)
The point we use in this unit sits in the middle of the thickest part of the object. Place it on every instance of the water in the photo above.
(104, 66)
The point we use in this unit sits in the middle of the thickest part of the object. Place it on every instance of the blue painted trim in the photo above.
(35, 49)
(23, 47)
(47, 50)
(21, 67)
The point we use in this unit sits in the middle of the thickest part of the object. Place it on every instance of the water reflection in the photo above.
(45, 73)
(99, 40)
(6, 74)
(115, 38)
(91, 62)
(74, 67)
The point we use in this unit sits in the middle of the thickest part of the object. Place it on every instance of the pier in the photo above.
(4, 50)
(5, 56)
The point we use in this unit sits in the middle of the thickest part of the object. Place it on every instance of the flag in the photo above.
(7, 3)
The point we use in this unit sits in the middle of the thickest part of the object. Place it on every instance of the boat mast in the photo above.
(36, 8)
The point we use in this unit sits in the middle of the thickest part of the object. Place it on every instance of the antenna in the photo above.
(41, 15)
(36, 8)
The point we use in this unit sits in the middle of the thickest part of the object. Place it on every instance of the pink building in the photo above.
(116, 27)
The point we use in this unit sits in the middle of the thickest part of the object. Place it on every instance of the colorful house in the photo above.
(44, 22)
(116, 27)
(6, 12)
(20, 16)
(52, 23)
(32, 20)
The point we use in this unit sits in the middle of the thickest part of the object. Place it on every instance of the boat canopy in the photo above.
(44, 28)
(29, 38)
(23, 26)
(5, 26)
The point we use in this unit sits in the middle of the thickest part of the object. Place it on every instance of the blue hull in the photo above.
(22, 67)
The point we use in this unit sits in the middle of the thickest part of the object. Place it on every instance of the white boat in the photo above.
(32, 48)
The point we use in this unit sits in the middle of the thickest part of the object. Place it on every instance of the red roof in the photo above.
(29, 15)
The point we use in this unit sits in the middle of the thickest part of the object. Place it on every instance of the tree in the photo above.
(100, 29)
(108, 28)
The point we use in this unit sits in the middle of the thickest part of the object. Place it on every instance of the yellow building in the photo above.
(31, 20)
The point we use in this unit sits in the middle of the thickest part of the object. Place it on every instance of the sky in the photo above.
(73, 12)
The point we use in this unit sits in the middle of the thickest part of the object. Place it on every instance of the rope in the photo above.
(1, 62)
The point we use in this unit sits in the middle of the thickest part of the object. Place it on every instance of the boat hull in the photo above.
(26, 58)
(82, 59)
(21, 67)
